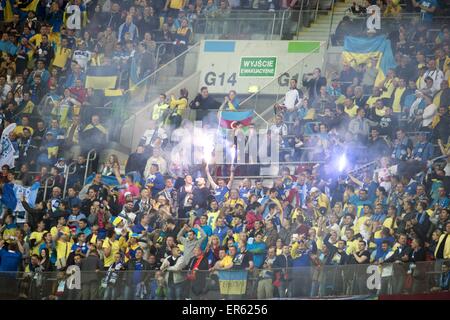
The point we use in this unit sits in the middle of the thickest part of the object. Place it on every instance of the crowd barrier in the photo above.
(319, 281)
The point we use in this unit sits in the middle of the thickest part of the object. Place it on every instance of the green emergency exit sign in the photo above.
(258, 66)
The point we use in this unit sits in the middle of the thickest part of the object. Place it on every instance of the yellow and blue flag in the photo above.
(233, 282)
(22, 6)
(361, 50)
(101, 77)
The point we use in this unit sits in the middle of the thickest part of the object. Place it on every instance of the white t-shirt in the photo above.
(428, 114)
(292, 99)
(437, 76)
(279, 130)
(82, 57)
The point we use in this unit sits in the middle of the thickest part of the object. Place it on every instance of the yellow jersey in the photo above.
(176, 4)
(212, 218)
(227, 261)
(35, 235)
(63, 249)
(54, 231)
(181, 105)
(18, 131)
(62, 55)
(389, 88)
(115, 248)
(396, 107)
(351, 111)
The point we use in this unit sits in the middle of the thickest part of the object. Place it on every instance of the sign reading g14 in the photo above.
(258, 66)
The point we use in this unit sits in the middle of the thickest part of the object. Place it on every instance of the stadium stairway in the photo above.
(320, 28)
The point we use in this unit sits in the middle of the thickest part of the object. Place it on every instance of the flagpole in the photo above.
(267, 124)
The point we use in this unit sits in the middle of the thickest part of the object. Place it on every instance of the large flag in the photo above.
(28, 5)
(107, 180)
(101, 77)
(229, 119)
(9, 197)
(30, 194)
(23, 5)
(7, 149)
(13, 193)
(361, 50)
(8, 47)
(233, 282)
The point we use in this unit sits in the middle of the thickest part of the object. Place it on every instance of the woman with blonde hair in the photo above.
(212, 250)
(110, 165)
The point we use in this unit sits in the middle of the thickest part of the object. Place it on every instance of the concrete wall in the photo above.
(220, 62)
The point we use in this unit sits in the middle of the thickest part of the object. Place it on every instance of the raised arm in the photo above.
(210, 179)
(355, 180)
(230, 183)
(180, 237)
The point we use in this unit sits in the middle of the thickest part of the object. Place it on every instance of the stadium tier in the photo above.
(224, 149)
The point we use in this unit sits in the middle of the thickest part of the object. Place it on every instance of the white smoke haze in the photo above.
(197, 143)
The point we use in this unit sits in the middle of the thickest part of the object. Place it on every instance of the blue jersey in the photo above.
(220, 193)
(9, 262)
(427, 16)
(84, 248)
(244, 193)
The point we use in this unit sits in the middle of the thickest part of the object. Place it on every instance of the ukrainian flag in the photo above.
(233, 282)
(23, 5)
(28, 5)
(361, 50)
(101, 77)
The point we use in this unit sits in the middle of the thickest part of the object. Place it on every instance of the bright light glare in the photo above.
(342, 163)
(208, 147)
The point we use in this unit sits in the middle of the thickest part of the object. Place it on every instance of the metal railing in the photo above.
(255, 24)
(67, 173)
(92, 155)
(47, 185)
(353, 281)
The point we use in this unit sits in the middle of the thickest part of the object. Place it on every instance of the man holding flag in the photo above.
(13, 193)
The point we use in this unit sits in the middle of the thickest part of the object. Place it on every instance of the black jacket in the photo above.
(202, 105)
(136, 162)
(89, 267)
(417, 256)
(199, 283)
(333, 251)
(282, 262)
(313, 86)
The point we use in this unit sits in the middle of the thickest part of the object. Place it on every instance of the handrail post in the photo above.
(46, 186)
(299, 19)
(331, 24)
(282, 24)
(273, 25)
(317, 10)
(66, 176)
(88, 160)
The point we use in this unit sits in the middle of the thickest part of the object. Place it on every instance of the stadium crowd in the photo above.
(155, 234)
